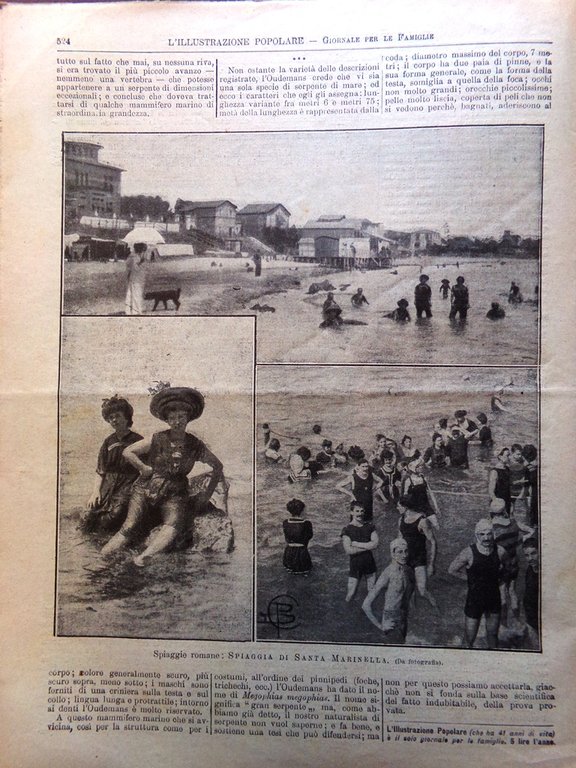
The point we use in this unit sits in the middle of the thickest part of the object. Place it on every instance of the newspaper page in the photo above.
(288, 365)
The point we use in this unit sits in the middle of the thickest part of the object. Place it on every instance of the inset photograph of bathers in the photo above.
(154, 535)
(393, 246)
(398, 506)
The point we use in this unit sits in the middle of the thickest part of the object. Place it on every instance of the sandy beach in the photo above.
(210, 285)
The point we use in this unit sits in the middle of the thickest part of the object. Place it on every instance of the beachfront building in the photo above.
(340, 241)
(509, 245)
(256, 218)
(214, 217)
(422, 239)
(92, 188)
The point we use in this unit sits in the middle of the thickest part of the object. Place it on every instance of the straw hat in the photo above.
(181, 397)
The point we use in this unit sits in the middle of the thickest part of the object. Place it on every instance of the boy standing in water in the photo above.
(390, 476)
(530, 455)
(484, 431)
(499, 479)
(418, 533)
(508, 535)
(266, 433)
(423, 297)
(460, 300)
(397, 580)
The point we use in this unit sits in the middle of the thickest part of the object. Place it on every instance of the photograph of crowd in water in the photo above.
(398, 506)
(373, 246)
(155, 503)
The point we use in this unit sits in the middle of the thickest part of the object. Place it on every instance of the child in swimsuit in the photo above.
(397, 581)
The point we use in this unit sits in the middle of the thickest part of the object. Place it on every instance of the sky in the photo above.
(477, 180)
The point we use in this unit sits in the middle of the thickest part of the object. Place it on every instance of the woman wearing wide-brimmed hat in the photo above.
(164, 461)
(108, 504)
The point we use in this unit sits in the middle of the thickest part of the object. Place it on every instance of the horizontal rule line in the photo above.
(468, 724)
(202, 49)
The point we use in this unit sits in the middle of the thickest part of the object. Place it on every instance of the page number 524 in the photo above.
(62, 41)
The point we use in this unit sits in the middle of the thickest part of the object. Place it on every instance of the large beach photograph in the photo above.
(154, 536)
(359, 246)
(398, 506)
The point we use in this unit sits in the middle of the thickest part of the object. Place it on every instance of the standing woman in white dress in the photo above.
(136, 266)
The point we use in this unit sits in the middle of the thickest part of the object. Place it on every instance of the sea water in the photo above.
(352, 405)
(292, 332)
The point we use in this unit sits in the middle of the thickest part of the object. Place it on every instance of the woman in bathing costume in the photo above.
(164, 462)
(107, 506)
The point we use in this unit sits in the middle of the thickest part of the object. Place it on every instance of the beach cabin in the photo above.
(255, 218)
(214, 217)
(339, 241)
(88, 248)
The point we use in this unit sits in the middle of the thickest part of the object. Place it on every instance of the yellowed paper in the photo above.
(299, 152)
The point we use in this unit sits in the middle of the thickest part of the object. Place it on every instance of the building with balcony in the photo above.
(91, 187)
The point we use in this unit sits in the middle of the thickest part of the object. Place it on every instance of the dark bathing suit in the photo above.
(457, 450)
(118, 475)
(502, 487)
(167, 488)
(483, 590)
(418, 495)
(297, 533)
(361, 563)
(459, 302)
(389, 489)
(362, 490)
(416, 541)
(422, 299)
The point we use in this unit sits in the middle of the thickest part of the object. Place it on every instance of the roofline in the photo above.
(96, 164)
(86, 143)
(271, 207)
(203, 203)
